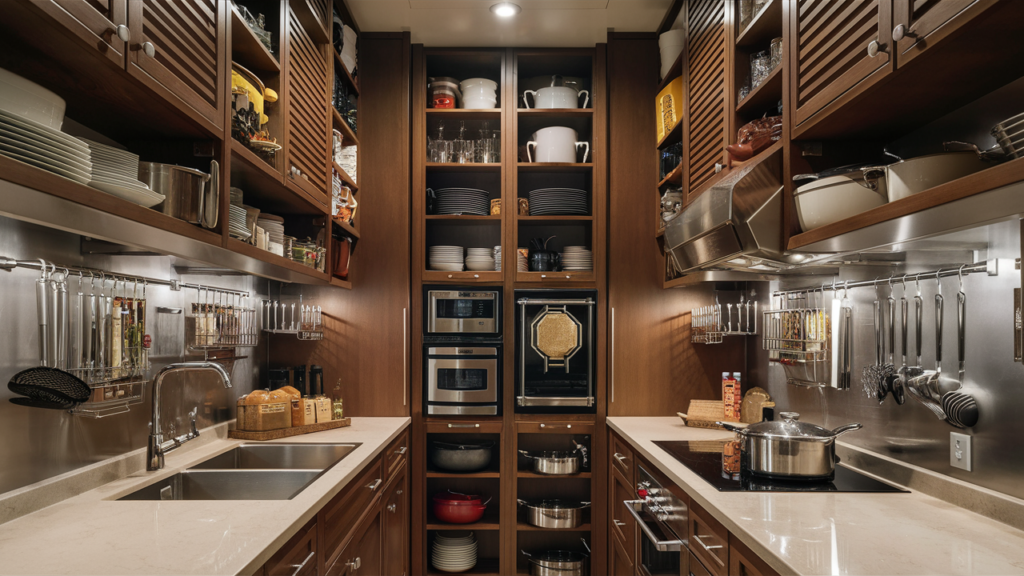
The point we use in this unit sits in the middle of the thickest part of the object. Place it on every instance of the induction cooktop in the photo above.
(718, 462)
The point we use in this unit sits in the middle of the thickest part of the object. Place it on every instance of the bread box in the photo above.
(260, 411)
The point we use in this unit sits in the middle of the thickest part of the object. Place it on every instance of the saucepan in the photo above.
(905, 178)
(555, 144)
(464, 457)
(789, 449)
(554, 513)
(558, 463)
(191, 195)
(456, 508)
(830, 196)
(558, 562)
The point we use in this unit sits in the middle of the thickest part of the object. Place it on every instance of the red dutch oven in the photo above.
(454, 508)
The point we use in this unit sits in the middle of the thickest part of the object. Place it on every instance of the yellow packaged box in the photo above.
(669, 107)
(324, 410)
(303, 412)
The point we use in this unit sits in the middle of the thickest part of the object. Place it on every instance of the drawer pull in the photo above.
(618, 523)
(619, 457)
(298, 569)
(554, 425)
(463, 425)
(392, 508)
(705, 546)
(401, 451)
(376, 484)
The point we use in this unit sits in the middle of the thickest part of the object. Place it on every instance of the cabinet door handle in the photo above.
(719, 167)
(619, 457)
(392, 508)
(554, 425)
(298, 569)
(148, 49)
(354, 564)
(463, 425)
(123, 33)
(401, 451)
(900, 32)
(619, 523)
(611, 368)
(705, 546)
(874, 48)
(405, 367)
(376, 484)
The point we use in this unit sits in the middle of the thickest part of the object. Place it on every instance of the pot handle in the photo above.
(584, 504)
(525, 553)
(527, 102)
(870, 176)
(586, 151)
(848, 428)
(529, 158)
(582, 450)
(584, 540)
(586, 100)
(211, 198)
(488, 501)
(527, 454)
(522, 502)
(732, 427)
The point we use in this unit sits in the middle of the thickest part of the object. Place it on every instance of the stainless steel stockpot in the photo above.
(554, 513)
(558, 463)
(789, 449)
(559, 562)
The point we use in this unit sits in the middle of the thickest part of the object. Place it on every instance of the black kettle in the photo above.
(542, 259)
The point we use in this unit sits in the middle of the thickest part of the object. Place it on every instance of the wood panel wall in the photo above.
(366, 343)
(654, 370)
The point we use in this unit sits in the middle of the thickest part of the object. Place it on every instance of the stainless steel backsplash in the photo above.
(39, 444)
(911, 433)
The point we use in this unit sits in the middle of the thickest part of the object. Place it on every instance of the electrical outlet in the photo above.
(960, 451)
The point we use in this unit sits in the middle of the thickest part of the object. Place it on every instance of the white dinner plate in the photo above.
(49, 168)
(43, 131)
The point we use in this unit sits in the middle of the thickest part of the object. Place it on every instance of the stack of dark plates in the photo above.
(558, 202)
(469, 201)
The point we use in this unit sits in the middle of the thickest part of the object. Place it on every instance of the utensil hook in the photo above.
(960, 276)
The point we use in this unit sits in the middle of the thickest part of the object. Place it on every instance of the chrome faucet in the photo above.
(157, 447)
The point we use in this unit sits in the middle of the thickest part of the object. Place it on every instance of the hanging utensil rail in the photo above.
(988, 266)
(710, 325)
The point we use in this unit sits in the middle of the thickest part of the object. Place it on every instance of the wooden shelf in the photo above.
(763, 27)
(465, 276)
(345, 178)
(675, 177)
(488, 522)
(348, 228)
(349, 79)
(555, 112)
(977, 183)
(264, 187)
(473, 217)
(484, 474)
(524, 527)
(551, 219)
(344, 128)
(242, 152)
(552, 277)
(246, 48)
(764, 96)
(463, 114)
(470, 167)
(484, 567)
(674, 72)
(251, 251)
(339, 283)
(674, 135)
(529, 474)
(555, 166)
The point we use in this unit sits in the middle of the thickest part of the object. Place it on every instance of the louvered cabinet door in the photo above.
(920, 24)
(707, 126)
(178, 48)
(94, 21)
(308, 133)
(841, 48)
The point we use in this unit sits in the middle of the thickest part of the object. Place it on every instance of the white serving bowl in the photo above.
(829, 200)
(29, 100)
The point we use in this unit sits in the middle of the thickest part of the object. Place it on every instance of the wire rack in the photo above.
(303, 321)
(219, 320)
(798, 336)
(711, 324)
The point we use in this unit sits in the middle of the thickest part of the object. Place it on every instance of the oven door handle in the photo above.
(555, 302)
(659, 545)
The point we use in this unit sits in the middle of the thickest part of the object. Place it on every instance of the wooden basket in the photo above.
(705, 414)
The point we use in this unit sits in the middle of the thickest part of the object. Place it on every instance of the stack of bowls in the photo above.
(479, 94)
(447, 258)
(522, 263)
(497, 258)
(479, 259)
(671, 45)
(577, 258)
(1010, 135)
(454, 551)
(274, 225)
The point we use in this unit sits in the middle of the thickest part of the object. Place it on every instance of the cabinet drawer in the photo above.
(555, 427)
(342, 513)
(709, 540)
(622, 457)
(464, 427)
(622, 524)
(743, 561)
(297, 557)
(396, 454)
(696, 568)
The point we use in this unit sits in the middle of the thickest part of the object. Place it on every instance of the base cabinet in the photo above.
(395, 524)
(620, 562)
(362, 555)
(298, 557)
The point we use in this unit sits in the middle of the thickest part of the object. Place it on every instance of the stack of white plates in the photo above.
(452, 201)
(237, 196)
(479, 259)
(522, 264)
(447, 258)
(116, 171)
(577, 258)
(558, 202)
(43, 147)
(237, 226)
(454, 551)
(497, 258)
(274, 225)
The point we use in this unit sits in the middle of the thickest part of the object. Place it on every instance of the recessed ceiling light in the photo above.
(505, 9)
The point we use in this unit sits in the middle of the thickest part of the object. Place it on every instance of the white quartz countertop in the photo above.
(836, 533)
(93, 533)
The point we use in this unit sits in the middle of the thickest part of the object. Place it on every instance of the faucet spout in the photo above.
(156, 446)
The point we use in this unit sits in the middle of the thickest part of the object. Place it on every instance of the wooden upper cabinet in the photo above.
(839, 49)
(707, 128)
(102, 24)
(920, 24)
(178, 47)
(308, 134)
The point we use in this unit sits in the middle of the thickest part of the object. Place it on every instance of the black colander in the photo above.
(54, 387)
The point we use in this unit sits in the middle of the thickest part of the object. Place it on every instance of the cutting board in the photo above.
(287, 432)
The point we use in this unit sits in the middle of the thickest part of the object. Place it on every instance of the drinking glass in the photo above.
(776, 51)
(760, 67)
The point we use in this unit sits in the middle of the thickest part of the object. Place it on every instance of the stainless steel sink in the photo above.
(279, 457)
(228, 485)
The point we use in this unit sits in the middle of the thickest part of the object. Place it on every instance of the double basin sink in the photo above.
(249, 472)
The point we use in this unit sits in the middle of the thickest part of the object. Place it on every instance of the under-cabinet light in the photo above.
(506, 9)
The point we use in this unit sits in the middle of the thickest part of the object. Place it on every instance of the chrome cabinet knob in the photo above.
(874, 48)
(148, 49)
(719, 167)
(392, 508)
(900, 32)
(123, 33)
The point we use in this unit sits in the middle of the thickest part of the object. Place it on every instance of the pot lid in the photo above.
(559, 559)
(455, 499)
(789, 427)
(558, 504)
(463, 446)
